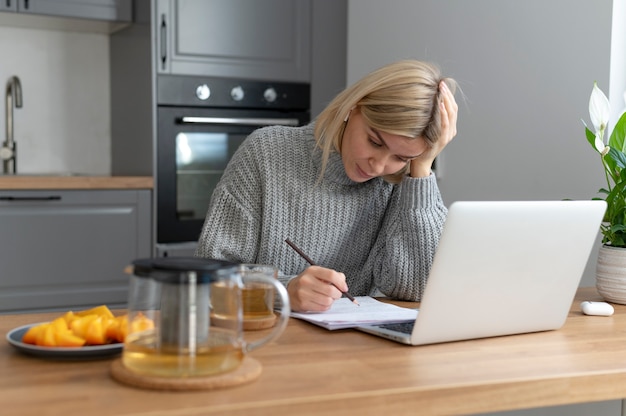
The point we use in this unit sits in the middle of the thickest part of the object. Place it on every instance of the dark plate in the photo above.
(14, 337)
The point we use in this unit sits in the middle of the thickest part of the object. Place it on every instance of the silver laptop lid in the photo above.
(506, 267)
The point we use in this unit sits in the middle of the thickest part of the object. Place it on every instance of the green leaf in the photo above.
(618, 134)
(617, 228)
(610, 162)
(618, 156)
(591, 138)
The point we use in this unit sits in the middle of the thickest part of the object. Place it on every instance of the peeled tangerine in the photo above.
(95, 326)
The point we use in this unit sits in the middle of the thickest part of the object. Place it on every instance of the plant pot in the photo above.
(611, 274)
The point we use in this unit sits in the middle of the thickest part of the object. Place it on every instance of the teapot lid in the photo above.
(177, 269)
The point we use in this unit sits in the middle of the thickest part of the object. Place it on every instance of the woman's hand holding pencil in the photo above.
(316, 288)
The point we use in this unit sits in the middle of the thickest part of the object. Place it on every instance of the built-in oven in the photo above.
(201, 121)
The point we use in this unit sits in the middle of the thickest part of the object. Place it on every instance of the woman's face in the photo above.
(368, 153)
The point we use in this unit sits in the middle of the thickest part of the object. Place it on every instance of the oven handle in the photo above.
(242, 121)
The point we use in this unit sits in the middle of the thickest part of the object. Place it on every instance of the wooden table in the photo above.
(311, 371)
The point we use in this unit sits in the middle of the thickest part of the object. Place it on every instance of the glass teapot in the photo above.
(177, 327)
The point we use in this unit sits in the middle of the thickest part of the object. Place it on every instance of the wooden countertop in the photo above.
(35, 182)
(312, 371)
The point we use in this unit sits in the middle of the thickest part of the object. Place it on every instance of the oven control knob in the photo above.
(237, 93)
(270, 95)
(203, 92)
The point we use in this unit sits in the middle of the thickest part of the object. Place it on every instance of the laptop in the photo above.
(502, 268)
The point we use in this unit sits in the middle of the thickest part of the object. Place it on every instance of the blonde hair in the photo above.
(401, 98)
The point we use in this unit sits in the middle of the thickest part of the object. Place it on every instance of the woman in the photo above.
(353, 189)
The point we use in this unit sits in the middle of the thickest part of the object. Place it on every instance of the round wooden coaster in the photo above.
(248, 324)
(261, 323)
(249, 370)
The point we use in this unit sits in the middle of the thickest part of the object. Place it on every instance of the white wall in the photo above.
(617, 91)
(64, 124)
(526, 68)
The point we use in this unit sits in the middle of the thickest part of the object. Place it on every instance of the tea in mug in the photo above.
(257, 298)
(257, 301)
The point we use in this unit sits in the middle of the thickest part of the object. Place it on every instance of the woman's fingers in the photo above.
(315, 289)
(449, 113)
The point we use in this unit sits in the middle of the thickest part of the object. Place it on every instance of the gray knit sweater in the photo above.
(381, 236)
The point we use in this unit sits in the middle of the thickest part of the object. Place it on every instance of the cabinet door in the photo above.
(269, 39)
(8, 5)
(113, 10)
(68, 249)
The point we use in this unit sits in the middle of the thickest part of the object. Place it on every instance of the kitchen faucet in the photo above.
(8, 150)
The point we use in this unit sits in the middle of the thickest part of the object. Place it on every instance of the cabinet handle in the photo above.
(163, 42)
(30, 198)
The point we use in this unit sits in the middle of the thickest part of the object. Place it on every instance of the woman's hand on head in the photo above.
(448, 109)
(315, 289)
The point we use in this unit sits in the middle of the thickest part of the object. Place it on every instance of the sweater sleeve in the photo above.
(404, 250)
(231, 228)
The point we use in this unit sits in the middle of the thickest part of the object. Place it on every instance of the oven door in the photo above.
(194, 146)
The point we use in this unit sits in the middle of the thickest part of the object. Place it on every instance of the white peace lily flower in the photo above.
(600, 147)
(605, 151)
(599, 111)
(613, 158)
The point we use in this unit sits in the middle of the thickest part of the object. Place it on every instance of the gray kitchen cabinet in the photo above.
(269, 39)
(62, 250)
(110, 10)
(8, 6)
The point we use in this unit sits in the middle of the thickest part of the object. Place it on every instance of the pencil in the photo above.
(312, 263)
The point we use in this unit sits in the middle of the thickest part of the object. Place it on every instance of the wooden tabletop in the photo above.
(32, 182)
(312, 371)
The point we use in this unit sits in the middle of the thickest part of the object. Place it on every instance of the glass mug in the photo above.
(185, 317)
(257, 296)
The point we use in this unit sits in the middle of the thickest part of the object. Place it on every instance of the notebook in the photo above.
(345, 314)
(503, 268)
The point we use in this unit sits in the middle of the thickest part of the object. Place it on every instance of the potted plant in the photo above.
(611, 265)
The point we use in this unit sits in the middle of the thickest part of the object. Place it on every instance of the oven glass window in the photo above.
(201, 158)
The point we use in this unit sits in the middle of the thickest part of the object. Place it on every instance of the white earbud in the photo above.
(597, 308)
